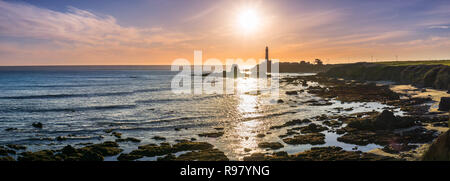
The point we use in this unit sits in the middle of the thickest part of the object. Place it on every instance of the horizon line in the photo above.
(69, 65)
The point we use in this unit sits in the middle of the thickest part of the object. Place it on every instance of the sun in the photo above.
(249, 20)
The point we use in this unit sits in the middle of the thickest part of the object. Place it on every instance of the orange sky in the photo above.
(80, 33)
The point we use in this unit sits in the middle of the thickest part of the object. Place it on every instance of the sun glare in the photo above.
(249, 20)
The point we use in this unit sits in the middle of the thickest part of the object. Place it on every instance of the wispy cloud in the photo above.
(78, 30)
(439, 27)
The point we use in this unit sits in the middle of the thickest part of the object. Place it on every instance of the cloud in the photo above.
(76, 26)
(76, 32)
(439, 27)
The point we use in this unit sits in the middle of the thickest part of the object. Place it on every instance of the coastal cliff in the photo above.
(434, 76)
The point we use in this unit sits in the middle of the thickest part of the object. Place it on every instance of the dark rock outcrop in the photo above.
(320, 154)
(444, 105)
(384, 121)
(199, 151)
(38, 125)
(271, 145)
(435, 76)
(313, 139)
(440, 149)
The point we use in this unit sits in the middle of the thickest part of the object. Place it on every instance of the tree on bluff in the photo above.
(318, 62)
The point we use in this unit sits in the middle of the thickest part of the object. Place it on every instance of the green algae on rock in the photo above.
(320, 154)
(312, 138)
(211, 135)
(152, 150)
(271, 145)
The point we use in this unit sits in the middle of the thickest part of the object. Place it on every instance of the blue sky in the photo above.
(38, 32)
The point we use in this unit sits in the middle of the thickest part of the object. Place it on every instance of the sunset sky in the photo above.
(106, 32)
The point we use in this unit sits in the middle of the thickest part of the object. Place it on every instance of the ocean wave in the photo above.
(164, 127)
(76, 109)
(150, 122)
(271, 115)
(72, 85)
(61, 96)
(177, 99)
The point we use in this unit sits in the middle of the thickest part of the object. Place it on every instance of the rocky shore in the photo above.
(402, 137)
(434, 76)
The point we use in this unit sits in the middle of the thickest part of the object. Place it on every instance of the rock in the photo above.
(260, 135)
(321, 117)
(444, 105)
(107, 148)
(108, 131)
(201, 155)
(129, 139)
(190, 146)
(91, 156)
(69, 150)
(68, 153)
(247, 149)
(271, 145)
(152, 150)
(386, 137)
(280, 101)
(5, 151)
(117, 134)
(16, 147)
(397, 148)
(333, 123)
(305, 84)
(384, 121)
(11, 129)
(159, 138)
(212, 135)
(128, 157)
(61, 138)
(44, 155)
(312, 128)
(38, 125)
(7, 159)
(313, 139)
(168, 157)
(324, 103)
(441, 124)
(181, 140)
(348, 109)
(320, 154)
(440, 149)
(260, 157)
(361, 138)
(289, 132)
(292, 123)
(291, 93)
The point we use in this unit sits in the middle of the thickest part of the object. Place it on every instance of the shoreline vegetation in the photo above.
(434, 75)
(413, 136)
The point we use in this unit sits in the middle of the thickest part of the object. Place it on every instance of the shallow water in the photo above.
(80, 103)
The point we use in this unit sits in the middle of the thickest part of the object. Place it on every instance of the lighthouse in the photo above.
(268, 62)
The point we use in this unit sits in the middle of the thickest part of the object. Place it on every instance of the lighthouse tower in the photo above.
(268, 61)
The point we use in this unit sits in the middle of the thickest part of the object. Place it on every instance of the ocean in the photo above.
(81, 103)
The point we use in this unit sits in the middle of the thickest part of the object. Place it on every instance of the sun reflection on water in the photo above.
(248, 107)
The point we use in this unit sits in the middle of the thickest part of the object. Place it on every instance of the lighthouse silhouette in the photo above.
(268, 61)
